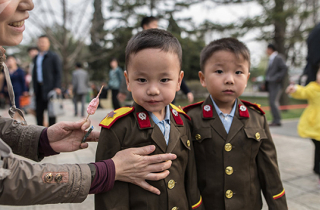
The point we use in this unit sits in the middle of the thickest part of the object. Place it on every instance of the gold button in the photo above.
(228, 147)
(229, 194)
(171, 184)
(188, 143)
(229, 170)
(257, 135)
(174, 208)
(48, 177)
(198, 137)
(58, 178)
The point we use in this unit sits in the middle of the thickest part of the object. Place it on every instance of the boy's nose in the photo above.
(229, 79)
(153, 90)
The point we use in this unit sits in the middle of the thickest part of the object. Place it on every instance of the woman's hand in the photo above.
(135, 166)
(67, 136)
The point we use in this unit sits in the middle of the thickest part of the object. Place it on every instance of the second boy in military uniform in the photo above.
(235, 154)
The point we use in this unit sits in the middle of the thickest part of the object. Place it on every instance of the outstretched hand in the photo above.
(67, 136)
(291, 89)
(135, 166)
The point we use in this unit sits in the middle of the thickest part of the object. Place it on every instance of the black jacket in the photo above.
(51, 72)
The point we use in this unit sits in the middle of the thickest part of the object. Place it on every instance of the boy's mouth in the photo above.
(17, 24)
(228, 91)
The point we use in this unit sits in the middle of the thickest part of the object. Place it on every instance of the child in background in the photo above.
(153, 63)
(309, 126)
(235, 155)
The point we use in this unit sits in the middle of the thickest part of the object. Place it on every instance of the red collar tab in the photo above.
(253, 105)
(207, 111)
(243, 111)
(176, 117)
(143, 119)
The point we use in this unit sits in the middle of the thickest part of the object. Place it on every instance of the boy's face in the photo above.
(225, 76)
(153, 77)
(318, 76)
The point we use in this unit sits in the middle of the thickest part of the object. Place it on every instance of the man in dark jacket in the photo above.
(275, 74)
(46, 77)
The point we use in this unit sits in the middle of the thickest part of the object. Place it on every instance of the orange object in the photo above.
(24, 101)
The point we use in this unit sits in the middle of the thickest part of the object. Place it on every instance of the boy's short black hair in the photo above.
(229, 44)
(147, 20)
(272, 47)
(32, 48)
(43, 36)
(78, 65)
(153, 39)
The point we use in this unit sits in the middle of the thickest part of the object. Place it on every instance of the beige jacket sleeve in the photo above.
(23, 140)
(24, 183)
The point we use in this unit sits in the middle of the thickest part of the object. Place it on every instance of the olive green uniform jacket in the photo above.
(25, 183)
(233, 168)
(129, 127)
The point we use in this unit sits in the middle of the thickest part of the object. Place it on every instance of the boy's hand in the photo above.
(67, 136)
(135, 166)
(291, 89)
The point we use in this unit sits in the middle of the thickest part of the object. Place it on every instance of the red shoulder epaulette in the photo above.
(254, 106)
(187, 108)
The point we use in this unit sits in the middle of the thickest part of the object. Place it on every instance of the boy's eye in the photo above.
(164, 80)
(141, 80)
(239, 72)
(219, 71)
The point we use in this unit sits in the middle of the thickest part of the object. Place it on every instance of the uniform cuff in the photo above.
(105, 177)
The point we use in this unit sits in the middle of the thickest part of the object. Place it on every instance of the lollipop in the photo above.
(93, 105)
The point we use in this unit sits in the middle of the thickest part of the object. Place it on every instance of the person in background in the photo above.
(313, 57)
(115, 78)
(32, 53)
(80, 80)
(276, 72)
(17, 77)
(46, 77)
(309, 125)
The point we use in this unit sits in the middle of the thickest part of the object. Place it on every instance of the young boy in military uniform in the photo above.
(235, 155)
(153, 63)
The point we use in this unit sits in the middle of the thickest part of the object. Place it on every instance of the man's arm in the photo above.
(282, 68)
(57, 68)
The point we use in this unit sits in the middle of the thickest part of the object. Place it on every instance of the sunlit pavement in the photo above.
(295, 157)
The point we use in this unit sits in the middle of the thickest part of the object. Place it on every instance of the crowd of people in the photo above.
(214, 154)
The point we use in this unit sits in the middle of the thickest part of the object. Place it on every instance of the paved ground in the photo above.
(295, 156)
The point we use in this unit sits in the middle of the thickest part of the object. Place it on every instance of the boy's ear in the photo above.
(180, 80)
(127, 80)
(202, 79)
(248, 78)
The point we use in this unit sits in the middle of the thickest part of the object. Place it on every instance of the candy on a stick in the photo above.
(93, 105)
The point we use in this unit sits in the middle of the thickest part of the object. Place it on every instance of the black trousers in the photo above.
(41, 105)
(115, 101)
(316, 166)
